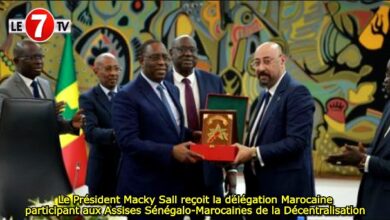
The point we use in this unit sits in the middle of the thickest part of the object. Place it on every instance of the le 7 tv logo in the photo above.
(39, 25)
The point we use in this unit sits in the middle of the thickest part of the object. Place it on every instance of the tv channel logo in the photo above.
(39, 25)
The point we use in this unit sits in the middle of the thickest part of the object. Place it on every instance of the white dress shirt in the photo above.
(28, 82)
(177, 80)
(169, 99)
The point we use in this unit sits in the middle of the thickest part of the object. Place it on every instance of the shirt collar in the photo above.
(152, 83)
(27, 80)
(177, 77)
(106, 91)
(272, 90)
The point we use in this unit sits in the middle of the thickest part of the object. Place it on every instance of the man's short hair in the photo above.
(142, 49)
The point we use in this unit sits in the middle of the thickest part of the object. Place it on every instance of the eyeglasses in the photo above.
(157, 57)
(33, 57)
(111, 68)
(266, 61)
(185, 49)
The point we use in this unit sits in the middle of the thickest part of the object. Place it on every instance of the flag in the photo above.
(74, 151)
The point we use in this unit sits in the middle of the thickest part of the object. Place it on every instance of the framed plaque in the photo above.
(218, 135)
(218, 127)
(239, 104)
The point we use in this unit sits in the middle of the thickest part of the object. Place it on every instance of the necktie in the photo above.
(164, 100)
(264, 102)
(111, 95)
(34, 85)
(192, 115)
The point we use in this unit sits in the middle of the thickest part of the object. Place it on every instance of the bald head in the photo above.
(269, 63)
(272, 47)
(184, 53)
(22, 46)
(100, 59)
(177, 40)
(28, 58)
(107, 70)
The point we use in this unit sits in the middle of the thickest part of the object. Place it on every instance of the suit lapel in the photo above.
(274, 102)
(255, 108)
(176, 101)
(169, 76)
(102, 98)
(21, 86)
(379, 141)
(47, 93)
(155, 101)
(201, 88)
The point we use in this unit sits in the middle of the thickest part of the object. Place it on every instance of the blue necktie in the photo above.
(111, 95)
(264, 102)
(35, 89)
(164, 100)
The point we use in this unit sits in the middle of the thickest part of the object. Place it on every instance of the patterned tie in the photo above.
(256, 126)
(164, 100)
(35, 89)
(111, 95)
(192, 115)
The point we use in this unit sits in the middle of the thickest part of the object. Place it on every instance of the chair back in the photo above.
(31, 164)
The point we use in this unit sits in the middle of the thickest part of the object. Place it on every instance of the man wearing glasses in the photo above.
(277, 154)
(194, 86)
(149, 127)
(96, 103)
(27, 83)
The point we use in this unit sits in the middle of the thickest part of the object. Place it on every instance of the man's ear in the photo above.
(141, 59)
(283, 58)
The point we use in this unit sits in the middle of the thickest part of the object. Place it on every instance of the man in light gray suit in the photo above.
(26, 83)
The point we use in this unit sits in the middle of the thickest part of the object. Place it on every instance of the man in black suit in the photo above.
(374, 191)
(96, 102)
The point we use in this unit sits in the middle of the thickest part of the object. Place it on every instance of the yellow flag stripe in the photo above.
(69, 95)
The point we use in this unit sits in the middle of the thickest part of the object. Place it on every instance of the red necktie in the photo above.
(192, 115)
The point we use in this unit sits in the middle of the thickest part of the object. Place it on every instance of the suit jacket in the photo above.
(14, 87)
(207, 83)
(285, 144)
(374, 190)
(104, 152)
(146, 136)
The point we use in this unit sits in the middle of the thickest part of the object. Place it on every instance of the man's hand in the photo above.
(244, 153)
(231, 182)
(78, 119)
(351, 156)
(181, 153)
(196, 136)
(60, 106)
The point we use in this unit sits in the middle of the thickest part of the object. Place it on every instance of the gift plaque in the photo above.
(218, 134)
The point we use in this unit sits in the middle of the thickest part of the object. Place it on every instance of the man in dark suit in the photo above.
(26, 83)
(149, 126)
(194, 85)
(277, 154)
(374, 191)
(96, 103)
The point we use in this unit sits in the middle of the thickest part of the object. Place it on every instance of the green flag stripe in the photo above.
(67, 74)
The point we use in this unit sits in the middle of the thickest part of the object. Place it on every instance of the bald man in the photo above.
(104, 152)
(277, 154)
(207, 177)
(27, 83)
